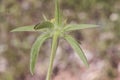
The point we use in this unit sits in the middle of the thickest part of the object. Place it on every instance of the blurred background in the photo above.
(101, 45)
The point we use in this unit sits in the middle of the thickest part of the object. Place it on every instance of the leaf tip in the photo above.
(12, 30)
(31, 71)
(87, 65)
(97, 25)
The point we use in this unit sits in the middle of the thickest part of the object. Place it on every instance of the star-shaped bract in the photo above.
(54, 29)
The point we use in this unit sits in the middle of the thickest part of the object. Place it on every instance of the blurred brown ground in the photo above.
(101, 45)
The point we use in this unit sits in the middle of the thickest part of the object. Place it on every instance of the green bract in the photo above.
(42, 25)
(54, 29)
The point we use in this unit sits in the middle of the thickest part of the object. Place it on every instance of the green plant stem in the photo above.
(52, 56)
(57, 12)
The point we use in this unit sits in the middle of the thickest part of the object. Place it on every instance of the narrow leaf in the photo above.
(45, 18)
(35, 50)
(52, 56)
(43, 25)
(24, 28)
(76, 47)
(72, 27)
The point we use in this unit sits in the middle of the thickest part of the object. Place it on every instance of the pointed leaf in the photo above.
(72, 27)
(24, 28)
(76, 47)
(45, 18)
(43, 25)
(35, 50)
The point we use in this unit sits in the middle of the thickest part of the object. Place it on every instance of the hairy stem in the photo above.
(57, 12)
(52, 56)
